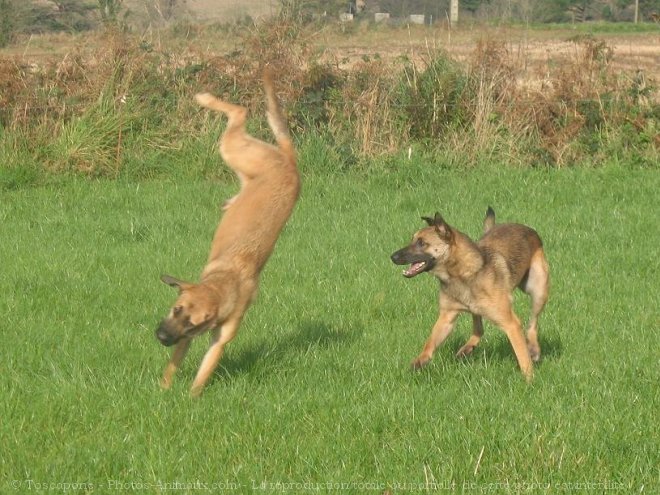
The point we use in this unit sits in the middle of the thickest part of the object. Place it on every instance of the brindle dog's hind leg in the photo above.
(537, 286)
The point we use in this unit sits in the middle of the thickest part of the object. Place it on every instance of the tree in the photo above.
(6, 22)
(70, 15)
(31, 16)
(162, 10)
(109, 10)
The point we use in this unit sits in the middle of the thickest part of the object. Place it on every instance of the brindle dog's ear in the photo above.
(442, 228)
(436, 220)
(173, 282)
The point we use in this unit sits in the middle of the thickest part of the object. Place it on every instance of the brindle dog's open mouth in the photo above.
(419, 263)
(416, 268)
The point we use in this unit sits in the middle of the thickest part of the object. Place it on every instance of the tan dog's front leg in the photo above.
(175, 361)
(212, 357)
(439, 333)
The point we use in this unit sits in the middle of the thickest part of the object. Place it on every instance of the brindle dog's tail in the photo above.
(489, 221)
(275, 117)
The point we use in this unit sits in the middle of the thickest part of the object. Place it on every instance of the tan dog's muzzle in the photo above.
(166, 334)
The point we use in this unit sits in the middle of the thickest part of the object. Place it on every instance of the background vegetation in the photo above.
(39, 16)
(124, 107)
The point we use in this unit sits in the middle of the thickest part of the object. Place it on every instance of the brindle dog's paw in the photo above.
(465, 351)
(419, 362)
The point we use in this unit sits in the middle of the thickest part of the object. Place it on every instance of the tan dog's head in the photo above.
(429, 247)
(194, 312)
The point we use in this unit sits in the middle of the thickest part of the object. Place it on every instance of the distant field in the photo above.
(315, 394)
(534, 48)
(221, 11)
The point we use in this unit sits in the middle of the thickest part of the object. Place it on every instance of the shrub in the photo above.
(432, 98)
(126, 108)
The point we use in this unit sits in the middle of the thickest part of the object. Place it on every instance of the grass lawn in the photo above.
(315, 394)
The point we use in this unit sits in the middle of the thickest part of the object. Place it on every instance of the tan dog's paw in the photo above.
(534, 352)
(204, 99)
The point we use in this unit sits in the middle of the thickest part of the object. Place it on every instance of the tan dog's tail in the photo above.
(276, 120)
(489, 221)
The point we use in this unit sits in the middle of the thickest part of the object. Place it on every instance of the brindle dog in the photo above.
(479, 278)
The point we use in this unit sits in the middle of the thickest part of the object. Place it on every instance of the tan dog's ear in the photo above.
(429, 221)
(174, 282)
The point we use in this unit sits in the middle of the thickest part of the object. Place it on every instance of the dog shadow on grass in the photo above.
(309, 336)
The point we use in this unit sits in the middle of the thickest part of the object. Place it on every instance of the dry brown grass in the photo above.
(479, 97)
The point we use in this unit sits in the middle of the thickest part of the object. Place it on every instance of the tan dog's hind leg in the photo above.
(175, 361)
(537, 287)
(439, 333)
(219, 339)
(234, 135)
(475, 338)
(235, 113)
(244, 154)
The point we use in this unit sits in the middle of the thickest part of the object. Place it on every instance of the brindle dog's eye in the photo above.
(177, 311)
(420, 243)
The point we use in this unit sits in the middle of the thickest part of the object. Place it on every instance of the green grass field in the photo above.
(315, 394)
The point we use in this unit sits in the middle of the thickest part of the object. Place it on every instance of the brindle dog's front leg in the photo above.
(439, 333)
(475, 338)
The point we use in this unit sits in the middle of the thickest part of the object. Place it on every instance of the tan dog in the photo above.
(480, 278)
(242, 242)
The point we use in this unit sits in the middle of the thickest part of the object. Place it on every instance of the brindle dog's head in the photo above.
(194, 312)
(429, 247)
